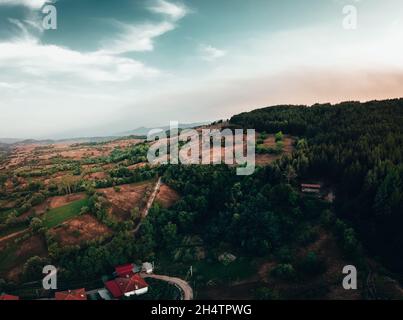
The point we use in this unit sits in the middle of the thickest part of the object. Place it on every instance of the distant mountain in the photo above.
(143, 131)
(9, 140)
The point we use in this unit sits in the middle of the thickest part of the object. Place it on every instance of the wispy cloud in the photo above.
(175, 11)
(210, 53)
(33, 4)
(135, 38)
(141, 37)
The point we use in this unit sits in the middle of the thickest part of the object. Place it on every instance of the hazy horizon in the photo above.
(109, 69)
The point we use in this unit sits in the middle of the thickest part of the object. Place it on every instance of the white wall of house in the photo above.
(137, 292)
(141, 291)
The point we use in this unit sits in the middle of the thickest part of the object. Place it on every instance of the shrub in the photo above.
(284, 272)
(266, 294)
(311, 264)
(279, 136)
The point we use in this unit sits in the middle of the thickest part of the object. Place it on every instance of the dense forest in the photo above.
(358, 147)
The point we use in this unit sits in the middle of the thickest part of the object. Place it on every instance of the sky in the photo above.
(112, 66)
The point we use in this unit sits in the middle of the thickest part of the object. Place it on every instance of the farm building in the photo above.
(78, 294)
(127, 286)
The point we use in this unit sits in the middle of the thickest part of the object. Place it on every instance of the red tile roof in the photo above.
(78, 294)
(120, 286)
(113, 288)
(124, 270)
(8, 297)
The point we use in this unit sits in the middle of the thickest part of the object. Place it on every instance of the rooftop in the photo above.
(78, 294)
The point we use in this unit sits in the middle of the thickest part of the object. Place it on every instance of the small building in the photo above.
(9, 297)
(310, 188)
(126, 270)
(127, 286)
(147, 267)
(78, 294)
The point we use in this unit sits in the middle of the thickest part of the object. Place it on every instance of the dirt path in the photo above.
(15, 234)
(152, 198)
(149, 204)
(182, 284)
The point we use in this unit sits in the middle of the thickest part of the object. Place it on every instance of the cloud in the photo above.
(7, 85)
(135, 38)
(140, 37)
(209, 53)
(28, 57)
(32, 4)
(35, 24)
(172, 10)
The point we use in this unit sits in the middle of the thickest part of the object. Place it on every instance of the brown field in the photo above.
(57, 178)
(56, 202)
(96, 176)
(59, 201)
(266, 159)
(79, 230)
(75, 154)
(166, 196)
(23, 154)
(129, 197)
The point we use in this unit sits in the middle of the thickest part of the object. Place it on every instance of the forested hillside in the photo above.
(358, 147)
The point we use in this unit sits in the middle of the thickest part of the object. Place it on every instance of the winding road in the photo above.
(182, 284)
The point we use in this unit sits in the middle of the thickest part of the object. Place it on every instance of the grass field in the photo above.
(57, 216)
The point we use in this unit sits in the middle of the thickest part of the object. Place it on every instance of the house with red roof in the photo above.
(130, 285)
(125, 270)
(9, 297)
(78, 294)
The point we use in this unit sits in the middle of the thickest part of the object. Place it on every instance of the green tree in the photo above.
(36, 225)
(279, 136)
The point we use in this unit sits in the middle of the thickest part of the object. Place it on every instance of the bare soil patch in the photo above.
(270, 142)
(79, 230)
(128, 197)
(60, 201)
(96, 176)
(166, 196)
